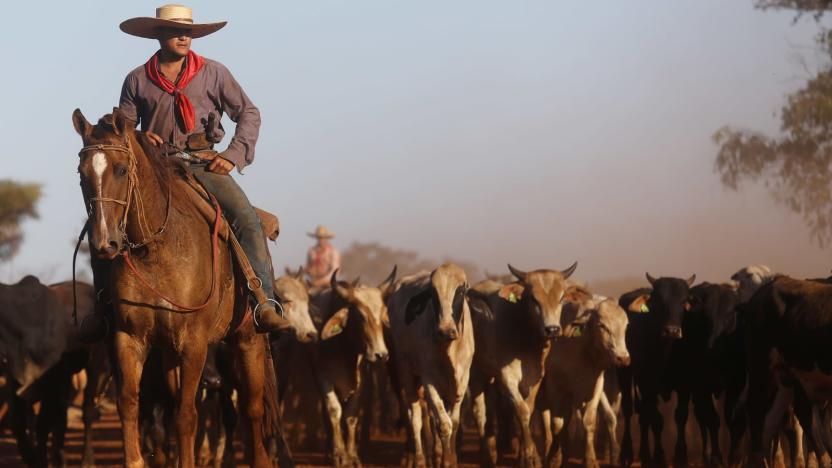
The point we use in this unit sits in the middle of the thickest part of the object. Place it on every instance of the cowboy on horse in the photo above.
(178, 98)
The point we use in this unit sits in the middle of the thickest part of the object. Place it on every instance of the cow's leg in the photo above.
(21, 413)
(680, 458)
(708, 420)
(229, 423)
(794, 434)
(58, 419)
(98, 373)
(414, 415)
(657, 425)
(444, 425)
(645, 417)
(456, 410)
(773, 421)
(351, 418)
(488, 446)
(523, 408)
(589, 417)
(334, 412)
(251, 351)
(130, 355)
(554, 456)
(611, 421)
(736, 420)
(625, 379)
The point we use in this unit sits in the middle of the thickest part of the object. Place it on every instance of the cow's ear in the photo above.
(335, 325)
(473, 294)
(577, 294)
(385, 318)
(416, 305)
(512, 292)
(639, 304)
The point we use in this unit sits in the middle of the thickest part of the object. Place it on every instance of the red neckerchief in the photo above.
(193, 64)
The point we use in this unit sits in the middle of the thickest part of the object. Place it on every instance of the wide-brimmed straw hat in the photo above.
(321, 233)
(172, 16)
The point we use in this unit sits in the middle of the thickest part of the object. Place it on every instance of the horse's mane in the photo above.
(165, 168)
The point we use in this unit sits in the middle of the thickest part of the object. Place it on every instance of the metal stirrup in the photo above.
(257, 307)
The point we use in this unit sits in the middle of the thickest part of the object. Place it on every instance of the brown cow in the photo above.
(433, 340)
(514, 327)
(354, 317)
(575, 375)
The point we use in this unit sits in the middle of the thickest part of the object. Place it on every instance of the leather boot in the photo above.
(266, 319)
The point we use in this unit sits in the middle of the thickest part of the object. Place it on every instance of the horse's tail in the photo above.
(272, 423)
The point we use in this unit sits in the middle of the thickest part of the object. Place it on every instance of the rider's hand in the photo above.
(155, 139)
(220, 165)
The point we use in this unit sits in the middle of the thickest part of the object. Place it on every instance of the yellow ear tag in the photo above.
(576, 332)
(336, 329)
(644, 309)
(512, 298)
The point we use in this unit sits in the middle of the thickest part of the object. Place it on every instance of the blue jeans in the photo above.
(243, 220)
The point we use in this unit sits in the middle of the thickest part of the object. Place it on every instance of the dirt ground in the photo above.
(383, 451)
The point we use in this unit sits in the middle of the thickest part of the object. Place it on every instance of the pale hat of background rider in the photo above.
(321, 232)
(171, 16)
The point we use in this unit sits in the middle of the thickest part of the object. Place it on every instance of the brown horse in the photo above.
(142, 211)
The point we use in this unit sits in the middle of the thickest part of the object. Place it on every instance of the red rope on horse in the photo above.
(214, 266)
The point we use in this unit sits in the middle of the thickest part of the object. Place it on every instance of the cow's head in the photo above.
(361, 311)
(666, 304)
(713, 314)
(294, 296)
(605, 325)
(540, 295)
(444, 296)
(749, 280)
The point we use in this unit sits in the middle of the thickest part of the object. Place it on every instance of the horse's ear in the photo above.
(120, 122)
(80, 123)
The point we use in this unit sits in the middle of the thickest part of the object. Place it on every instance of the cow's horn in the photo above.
(568, 272)
(651, 279)
(691, 280)
(521, 275)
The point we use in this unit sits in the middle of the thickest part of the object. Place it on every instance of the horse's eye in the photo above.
(121, 171)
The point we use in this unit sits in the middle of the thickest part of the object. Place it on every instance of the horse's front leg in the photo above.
(252, 359)
(191, 364)
(130, 354)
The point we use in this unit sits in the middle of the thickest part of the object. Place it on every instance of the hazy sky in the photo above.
(536, 132)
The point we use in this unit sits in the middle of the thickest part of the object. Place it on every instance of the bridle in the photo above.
(133, 197)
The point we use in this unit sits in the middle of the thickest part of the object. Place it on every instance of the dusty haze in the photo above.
(533, 132)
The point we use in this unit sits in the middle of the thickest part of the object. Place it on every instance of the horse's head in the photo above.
(107, 168)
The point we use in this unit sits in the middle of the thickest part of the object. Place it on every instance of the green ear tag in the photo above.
(336, 329)
(512, 298)
(644, 309)
(576, 332)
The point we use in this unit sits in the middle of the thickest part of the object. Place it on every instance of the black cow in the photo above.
(710, 355)
(655, 323)
(788, 331)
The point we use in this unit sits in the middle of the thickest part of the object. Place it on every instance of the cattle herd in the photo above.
(534, 357)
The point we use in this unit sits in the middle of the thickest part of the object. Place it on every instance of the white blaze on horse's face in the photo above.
(99, 165)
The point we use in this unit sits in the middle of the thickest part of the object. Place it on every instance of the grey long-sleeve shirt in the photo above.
(213, 89)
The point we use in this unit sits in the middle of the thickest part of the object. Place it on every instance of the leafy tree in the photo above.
(794, 165)
(17, 202)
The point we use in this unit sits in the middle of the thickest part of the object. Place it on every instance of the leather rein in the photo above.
(134, 198)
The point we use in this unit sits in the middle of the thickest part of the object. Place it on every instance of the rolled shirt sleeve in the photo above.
(245, 114)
